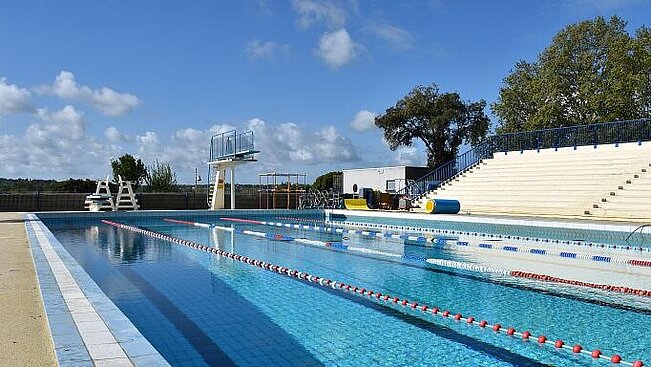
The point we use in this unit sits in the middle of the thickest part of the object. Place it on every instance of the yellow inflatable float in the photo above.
(356, 204)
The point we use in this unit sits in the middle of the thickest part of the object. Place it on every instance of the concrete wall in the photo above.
(38, 201)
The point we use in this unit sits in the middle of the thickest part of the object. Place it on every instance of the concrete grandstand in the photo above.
(606, 179)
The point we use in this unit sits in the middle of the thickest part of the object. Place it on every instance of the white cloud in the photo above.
(256, 50)
(311, 12)
(149, 138)
(57, 147)
(189, 135)
(67, 114)
(13, 98)
(185, 149)
(279, 145)
(364, 120)
(409, 156)
(290, 143)
(114, 135)
(398, 38)
(413, 155)
(337, 48)
(67, 120)
(106, 100)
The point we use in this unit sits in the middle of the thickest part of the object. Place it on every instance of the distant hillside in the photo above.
(88, 186)
(29, 185)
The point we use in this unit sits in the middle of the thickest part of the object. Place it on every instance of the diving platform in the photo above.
(232, 147)
(227, 151)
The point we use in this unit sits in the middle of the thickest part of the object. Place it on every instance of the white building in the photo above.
(384, 179)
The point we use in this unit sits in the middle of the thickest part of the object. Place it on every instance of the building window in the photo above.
(391, 185)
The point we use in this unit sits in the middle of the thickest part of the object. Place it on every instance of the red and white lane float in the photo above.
(196, 224)
(383, 299)
(540, 277)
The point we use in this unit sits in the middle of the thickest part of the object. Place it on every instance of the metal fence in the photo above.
(572, 136)
(592, 134)
(231, 144)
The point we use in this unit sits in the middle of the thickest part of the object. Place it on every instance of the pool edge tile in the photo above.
(68, 342)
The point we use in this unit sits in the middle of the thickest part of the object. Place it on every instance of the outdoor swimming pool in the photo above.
(198, 309)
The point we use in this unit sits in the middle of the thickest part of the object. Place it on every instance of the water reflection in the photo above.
(487, 258)
(127, 247)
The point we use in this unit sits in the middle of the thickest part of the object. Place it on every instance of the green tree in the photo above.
(129, 168)
(325, 181)
(161, 178)
(75, 185)
(442, 121)
(593, 71)
(642, 55)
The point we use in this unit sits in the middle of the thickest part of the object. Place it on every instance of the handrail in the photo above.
(635, 230)
(231, 144)
(572, 136)
(447, 171)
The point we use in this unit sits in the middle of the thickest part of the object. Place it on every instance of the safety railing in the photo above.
(320, 200)
(230, 144)
(572, 136)
(592, 134)
(447, 171)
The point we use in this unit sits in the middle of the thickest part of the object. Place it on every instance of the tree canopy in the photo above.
(325, 181)
(129, 168)
(442, 121)
(593, 71)
(160, 178)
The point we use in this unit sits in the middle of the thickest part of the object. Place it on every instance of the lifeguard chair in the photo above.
(126, 198)
(102, 199)
(227, 151)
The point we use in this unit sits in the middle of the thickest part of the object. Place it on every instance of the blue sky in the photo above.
(85, 81)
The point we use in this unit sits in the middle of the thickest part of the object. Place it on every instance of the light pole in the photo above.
(197, 179)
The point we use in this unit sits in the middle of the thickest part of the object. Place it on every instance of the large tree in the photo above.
(325, 181)
(442, 121)
(593, 71)
(129, 168)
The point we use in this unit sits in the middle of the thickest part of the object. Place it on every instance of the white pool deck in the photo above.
(543, 222)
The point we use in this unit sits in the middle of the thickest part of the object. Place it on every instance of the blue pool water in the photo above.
(198, 309)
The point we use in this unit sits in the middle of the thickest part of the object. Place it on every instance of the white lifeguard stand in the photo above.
(126, 198)
(102, 199)
(227, 151)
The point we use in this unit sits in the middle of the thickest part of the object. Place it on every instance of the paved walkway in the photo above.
(24, 333)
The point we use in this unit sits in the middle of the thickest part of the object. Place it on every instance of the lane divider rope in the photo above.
(443, 263)
(379, 298)
(302, 219)
(445, 242)
(499, 236)
(270, 236)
